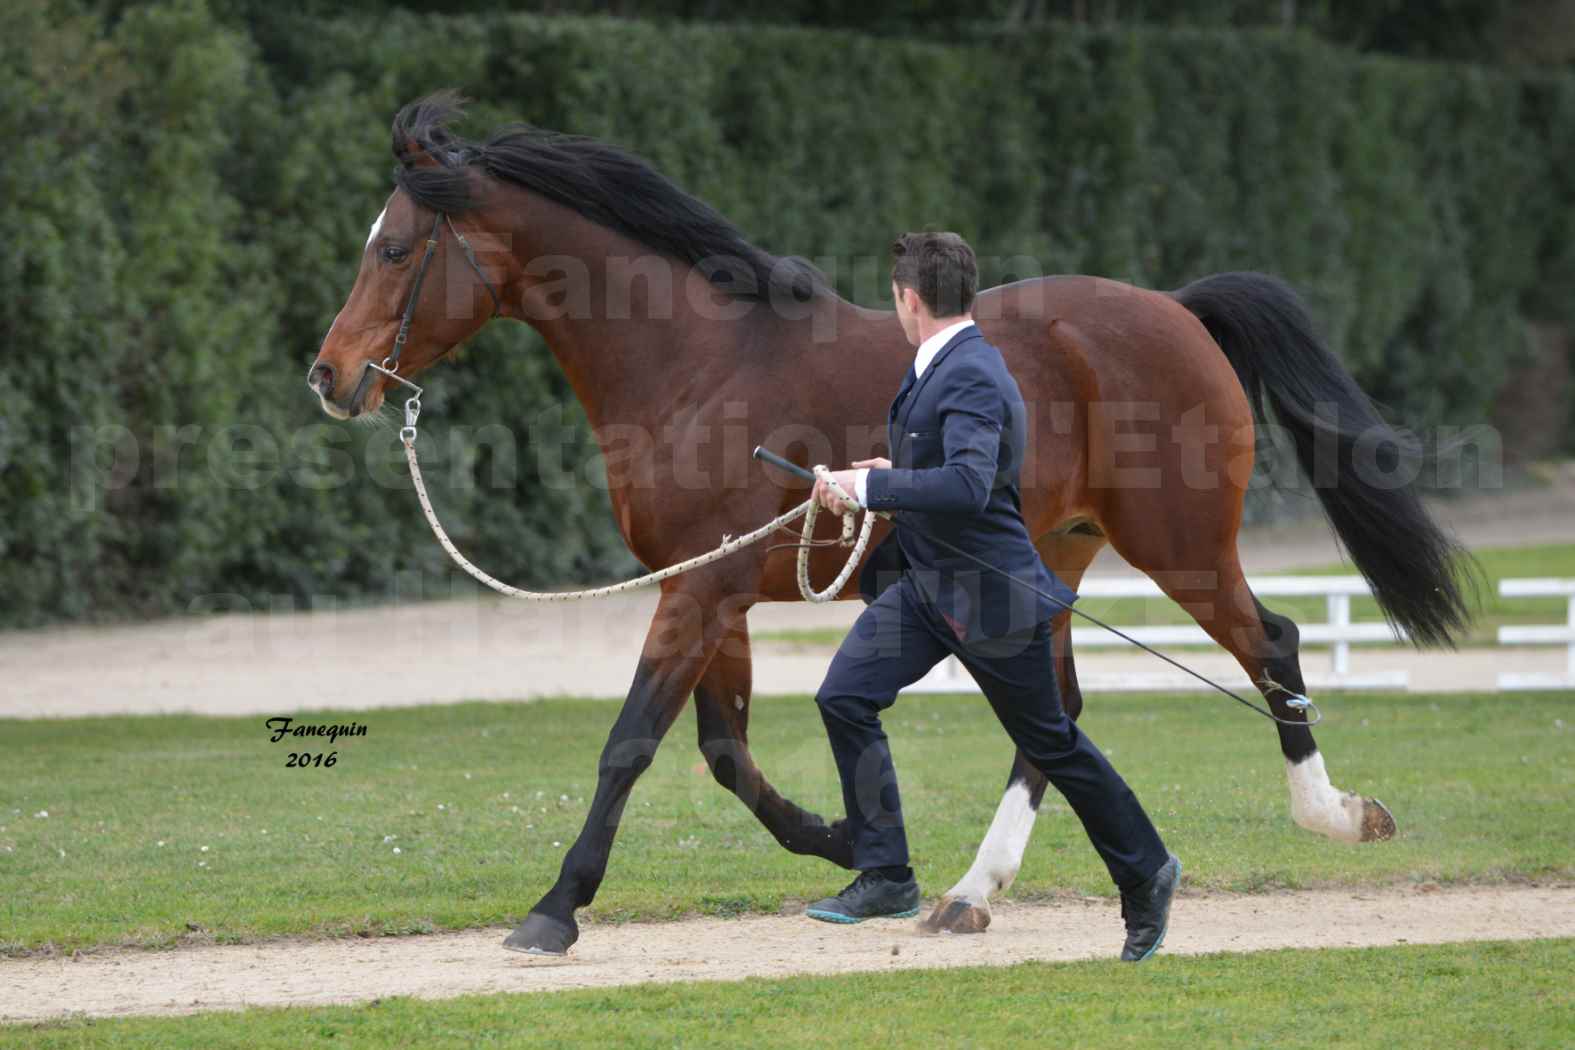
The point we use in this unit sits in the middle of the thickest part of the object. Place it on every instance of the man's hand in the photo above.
(848, 481)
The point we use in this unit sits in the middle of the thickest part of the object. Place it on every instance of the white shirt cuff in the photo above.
(858, 486)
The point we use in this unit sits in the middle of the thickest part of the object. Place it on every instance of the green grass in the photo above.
(483, 799)
(1510, 995)
(1498, 563)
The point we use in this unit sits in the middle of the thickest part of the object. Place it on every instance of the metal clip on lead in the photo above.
(407, 433)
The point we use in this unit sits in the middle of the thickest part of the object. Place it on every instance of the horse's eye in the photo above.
(394, 253)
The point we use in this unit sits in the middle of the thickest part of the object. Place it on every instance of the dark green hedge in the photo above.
(185, 201)
(1510, 32)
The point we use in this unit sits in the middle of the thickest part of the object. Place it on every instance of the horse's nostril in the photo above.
(321, 379)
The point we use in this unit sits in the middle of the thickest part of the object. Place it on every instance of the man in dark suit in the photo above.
(957, 431)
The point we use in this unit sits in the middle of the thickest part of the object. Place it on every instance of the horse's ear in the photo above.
(412, 154)
(421, 139)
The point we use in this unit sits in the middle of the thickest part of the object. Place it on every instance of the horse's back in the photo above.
(1109, 372)
(1121, 332)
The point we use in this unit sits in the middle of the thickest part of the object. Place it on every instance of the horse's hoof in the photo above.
(542, 935)
(956, 915)
(1378, 824)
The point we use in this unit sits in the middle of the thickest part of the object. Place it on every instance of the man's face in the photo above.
(908, 305)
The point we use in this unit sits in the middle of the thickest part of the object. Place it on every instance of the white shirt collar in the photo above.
(933, 345)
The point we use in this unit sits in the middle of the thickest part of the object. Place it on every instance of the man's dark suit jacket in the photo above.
(957, 438)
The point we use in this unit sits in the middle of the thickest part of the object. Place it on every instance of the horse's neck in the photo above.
(621, 342)
(625, 369)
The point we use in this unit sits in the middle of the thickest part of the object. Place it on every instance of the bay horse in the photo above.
(687, 346)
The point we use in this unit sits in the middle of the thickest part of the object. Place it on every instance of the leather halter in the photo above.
(390, 365)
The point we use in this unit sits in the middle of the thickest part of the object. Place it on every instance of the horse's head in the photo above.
(421, 290)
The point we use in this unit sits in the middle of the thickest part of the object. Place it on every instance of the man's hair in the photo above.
(940, 267)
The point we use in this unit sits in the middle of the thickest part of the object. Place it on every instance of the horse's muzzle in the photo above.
(320, 378)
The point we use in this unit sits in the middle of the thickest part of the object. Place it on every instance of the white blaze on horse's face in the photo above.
(371, 235)
(312, 376)
(377, 224)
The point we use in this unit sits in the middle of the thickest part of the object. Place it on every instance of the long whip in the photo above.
(1295, 701)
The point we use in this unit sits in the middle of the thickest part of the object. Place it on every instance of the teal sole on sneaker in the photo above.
(849, 920)
(1160, 943)
(1157, 944)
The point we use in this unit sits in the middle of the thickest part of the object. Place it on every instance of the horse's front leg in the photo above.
(722, 715)
(682, 639)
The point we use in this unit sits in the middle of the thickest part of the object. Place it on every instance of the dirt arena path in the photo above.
(314, 973)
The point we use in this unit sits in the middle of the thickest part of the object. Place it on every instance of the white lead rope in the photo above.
(805, 588)
(808, 510)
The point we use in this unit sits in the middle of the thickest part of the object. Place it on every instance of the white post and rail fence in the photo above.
(1338, 631)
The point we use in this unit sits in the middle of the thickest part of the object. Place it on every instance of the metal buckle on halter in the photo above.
(407, 433)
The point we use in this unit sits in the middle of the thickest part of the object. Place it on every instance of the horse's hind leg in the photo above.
(965, 908)
(722, 714)
(1315, 803)
(1267, 645)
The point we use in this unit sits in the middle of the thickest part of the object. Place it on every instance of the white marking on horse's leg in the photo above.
(377, 224)
(1001, 853)
(1318, 805)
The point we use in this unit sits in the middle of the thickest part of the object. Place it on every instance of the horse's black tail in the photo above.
(1419, 574)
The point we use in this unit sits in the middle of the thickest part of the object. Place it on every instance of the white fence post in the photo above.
(1340, 616)
(1569, 654)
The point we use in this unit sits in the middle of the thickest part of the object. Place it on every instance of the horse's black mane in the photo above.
(609, 186)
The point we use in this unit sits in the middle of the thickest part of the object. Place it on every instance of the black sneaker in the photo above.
(1147, 911)
(870, 896)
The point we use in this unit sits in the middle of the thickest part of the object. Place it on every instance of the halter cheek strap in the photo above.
(391, 362)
